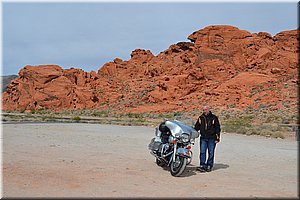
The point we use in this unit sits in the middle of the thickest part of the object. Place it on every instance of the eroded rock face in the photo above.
(222, 66)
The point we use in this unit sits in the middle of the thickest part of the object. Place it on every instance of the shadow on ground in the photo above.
(190, 169)
(218, 166)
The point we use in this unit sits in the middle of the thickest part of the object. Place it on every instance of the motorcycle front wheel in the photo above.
(178, 166)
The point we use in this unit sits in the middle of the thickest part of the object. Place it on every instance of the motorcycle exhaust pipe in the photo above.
(153, 154)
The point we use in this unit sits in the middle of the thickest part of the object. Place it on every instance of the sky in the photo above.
(87, 35)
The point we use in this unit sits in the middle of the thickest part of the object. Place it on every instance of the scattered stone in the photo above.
(275, 70)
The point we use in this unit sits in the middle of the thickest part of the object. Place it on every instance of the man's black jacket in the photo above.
(209, 126)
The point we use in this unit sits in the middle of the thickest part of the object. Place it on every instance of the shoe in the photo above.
(209, 168)
(201, 169)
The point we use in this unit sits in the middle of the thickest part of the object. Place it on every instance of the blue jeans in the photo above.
(207, 144)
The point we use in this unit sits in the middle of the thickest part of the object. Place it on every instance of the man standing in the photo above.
(209, 127)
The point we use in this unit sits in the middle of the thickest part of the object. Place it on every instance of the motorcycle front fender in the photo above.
(183, 152)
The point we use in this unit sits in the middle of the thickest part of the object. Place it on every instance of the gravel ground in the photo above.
(92, 160)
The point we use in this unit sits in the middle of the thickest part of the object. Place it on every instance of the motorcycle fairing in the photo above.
(177, 127)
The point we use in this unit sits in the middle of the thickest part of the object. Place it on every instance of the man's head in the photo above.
(206, 109)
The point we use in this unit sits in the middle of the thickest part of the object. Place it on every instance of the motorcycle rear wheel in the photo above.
(178, 166)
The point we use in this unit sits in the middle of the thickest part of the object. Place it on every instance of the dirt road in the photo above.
(91, 160)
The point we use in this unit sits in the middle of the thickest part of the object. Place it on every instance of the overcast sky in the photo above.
(87, 35)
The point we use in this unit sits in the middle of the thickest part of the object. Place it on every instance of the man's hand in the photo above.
(217, 140)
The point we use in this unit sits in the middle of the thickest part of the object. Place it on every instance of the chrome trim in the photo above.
(174, 152)
(168, 154)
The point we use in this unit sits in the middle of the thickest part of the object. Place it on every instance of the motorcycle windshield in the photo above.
(179, 127)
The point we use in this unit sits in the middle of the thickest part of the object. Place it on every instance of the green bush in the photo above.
(242, 130)
(76, 118)
(272, 118)
(166, 115)
(135, 115)
(252, 132)
(237, 124)
(101, 113)
(231, 105)
(278, 134)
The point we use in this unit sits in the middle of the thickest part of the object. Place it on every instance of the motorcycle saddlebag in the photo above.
(154, 145)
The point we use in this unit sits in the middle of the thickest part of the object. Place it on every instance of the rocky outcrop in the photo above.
(6, 81)
(222, 65)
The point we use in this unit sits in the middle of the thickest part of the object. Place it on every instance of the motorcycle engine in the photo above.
(163, 148)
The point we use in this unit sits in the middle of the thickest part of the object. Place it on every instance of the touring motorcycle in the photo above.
(171, 145)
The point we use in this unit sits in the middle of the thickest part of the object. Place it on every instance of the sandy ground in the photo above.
(92, 160)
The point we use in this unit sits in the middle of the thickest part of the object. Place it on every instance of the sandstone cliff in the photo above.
(222, 65)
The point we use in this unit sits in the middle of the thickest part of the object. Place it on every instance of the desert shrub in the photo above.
(278, 134)
(265, 132)
(237, 124)
(166, 115)
(242, 130)
(134, 115)
(103, 103)
(272, 118)
(231, 105)
(293, 118)
(254, 130)
(271, 127)
(76, 118)
(244, 125)
(177, 114)
(262, 106)
(268, 130)
(101, 113)
(42, 111)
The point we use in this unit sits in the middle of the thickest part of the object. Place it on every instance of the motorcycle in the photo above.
(171, 145)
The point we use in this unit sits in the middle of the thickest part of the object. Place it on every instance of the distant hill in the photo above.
(6, 81)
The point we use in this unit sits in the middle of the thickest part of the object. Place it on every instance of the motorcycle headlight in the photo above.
(185, 138)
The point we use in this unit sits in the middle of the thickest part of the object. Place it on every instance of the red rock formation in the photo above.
(222, 66)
